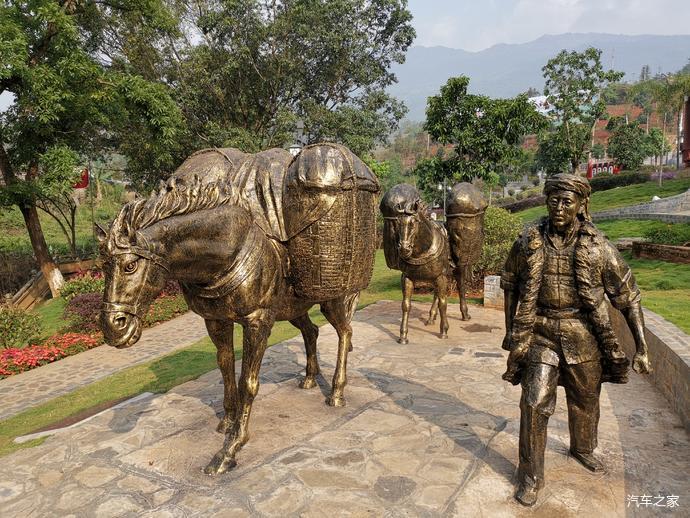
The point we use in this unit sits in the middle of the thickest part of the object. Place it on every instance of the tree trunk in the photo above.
(50, 270)
(33, 225)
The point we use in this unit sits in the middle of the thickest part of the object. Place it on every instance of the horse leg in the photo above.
(433, 311)
(407, 288)
(256, 331)
(351, 301)
(441, 291)
(221, 333)
(462, 273)
(336, 312)
(310, 334)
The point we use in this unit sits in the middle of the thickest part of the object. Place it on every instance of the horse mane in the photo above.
(175, 198)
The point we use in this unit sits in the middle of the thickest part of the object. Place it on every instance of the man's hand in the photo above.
(641, 363)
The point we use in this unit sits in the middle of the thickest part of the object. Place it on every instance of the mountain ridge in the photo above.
(505, 70)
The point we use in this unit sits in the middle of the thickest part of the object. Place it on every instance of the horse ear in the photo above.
(100, 232)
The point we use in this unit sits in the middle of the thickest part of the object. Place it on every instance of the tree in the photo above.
(72, 93)
(552, 155)
(484, 132)
(263, 65)
(627, 144)
(644, 73)
(574, 84)
(598, 150)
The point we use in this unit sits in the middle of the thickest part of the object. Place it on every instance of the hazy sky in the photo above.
(479, 24)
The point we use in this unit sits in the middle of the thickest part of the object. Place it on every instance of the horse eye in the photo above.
(131, 267)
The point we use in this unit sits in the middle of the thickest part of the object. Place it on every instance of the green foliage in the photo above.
(484, 132)
(17, 327)
(627, 144)
(606, 181)
(598, 150)
(263, 65)
(678, 234)
(501, 228)
(86, 283)
(553, 154)
(573, 86)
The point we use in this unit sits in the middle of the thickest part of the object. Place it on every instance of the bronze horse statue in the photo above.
(418, 247)
(218, 227)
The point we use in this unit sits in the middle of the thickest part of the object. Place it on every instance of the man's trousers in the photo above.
(582, 383)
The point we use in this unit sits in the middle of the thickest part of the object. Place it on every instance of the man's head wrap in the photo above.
(573, 183)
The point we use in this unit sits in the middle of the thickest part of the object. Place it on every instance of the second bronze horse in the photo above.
(418, 247)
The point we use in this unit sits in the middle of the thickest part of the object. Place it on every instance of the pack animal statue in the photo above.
(465, 225)
(251, 239)
(418, 247)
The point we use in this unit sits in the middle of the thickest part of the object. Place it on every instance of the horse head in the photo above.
(403, 210)
(134, 276)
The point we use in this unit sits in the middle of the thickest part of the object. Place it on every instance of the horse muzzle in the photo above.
(405, 250)
(120, 329)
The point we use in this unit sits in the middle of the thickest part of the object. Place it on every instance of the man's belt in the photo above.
(560, 314)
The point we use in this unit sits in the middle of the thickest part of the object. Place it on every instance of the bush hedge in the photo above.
(527, 203)
(606, 181)
(17, 327)
(82, 283)
(678, 234)
(501, 228)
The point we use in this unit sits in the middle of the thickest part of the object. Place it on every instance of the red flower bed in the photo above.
(15, 360)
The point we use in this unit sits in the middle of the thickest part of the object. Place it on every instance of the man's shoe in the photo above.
(589, 461)
(527, 494)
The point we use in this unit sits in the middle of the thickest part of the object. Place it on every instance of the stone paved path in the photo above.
(31, 388)
(429, 430)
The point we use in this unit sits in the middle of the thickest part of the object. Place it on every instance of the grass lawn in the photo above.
(50, 312)
(621, 197)
(15, 238)
(617, 228)
(164, 373)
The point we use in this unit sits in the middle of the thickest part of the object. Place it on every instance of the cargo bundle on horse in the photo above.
(418, 247)
(465, 226)
(251, 239)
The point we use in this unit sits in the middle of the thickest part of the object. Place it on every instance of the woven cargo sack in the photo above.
(334, 254)
(465, 223)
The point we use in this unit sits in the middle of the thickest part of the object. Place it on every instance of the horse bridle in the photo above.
(151, 257)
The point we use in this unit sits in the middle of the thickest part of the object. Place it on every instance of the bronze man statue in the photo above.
(558, 329)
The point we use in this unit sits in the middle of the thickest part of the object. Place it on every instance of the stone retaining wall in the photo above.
(664, 209)
(674, 254)
(669, 353)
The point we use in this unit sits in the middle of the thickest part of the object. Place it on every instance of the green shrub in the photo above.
(501, 228)
(677, 234)
(87, 282)
(606, 181)
(17, 327)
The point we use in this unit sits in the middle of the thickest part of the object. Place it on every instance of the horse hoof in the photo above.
(219, 464)
(444, 335)
(466, 317)
(403, 341)
(307, 383)
(337, 401)
(429, 322)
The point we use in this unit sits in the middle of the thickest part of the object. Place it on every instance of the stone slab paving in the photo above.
(429, 430)
(31, 388)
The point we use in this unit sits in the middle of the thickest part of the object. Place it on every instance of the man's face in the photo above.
(563, 208)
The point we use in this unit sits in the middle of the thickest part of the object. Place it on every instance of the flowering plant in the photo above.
(16, 360)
